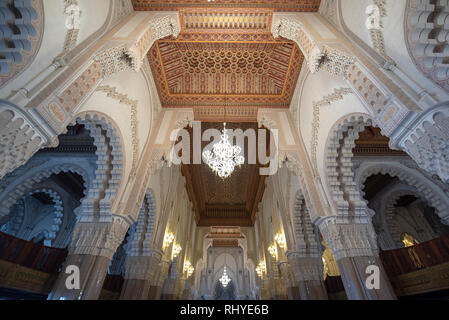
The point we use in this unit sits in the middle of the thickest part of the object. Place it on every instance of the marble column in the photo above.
(264, 288)
(291, 283)
(156, 289)
(354, 246)
(277, 284)
(140, 276)
(187, 290)
(91, 250)
(172, 285)
(309, 276)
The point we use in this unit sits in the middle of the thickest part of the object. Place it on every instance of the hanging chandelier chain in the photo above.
(224, 156)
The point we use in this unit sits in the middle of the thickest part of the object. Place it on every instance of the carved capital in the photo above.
(427, 141)
(351, 239)
(99, 238)
(131, 55)
(318, 56)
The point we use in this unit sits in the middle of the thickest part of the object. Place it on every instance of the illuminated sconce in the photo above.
(176, 250)
(188, 268)
(280, 239)
(273, 250)
(261, 269)
(168, 239)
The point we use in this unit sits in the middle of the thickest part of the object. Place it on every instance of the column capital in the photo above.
(319, 54)
(349, 239)
(426, 140)
(99, 238)
(118, 55)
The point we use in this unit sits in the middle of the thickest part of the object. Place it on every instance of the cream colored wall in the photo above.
(94, 15)
(315, 88)
(134, 87)
(393, 31)
(175, 215)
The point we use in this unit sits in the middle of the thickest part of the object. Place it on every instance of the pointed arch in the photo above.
(99, 203)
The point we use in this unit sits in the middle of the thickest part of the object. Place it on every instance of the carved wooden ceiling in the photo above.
(226, 57)
(226, 236)
(372, 143)
(230, 202)
(278, 5)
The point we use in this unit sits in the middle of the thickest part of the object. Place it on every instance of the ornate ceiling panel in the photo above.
(225, 236)
(371, 142)
(226, 57)
(277, 5)
(230, 202)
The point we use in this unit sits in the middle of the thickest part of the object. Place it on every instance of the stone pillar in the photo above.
(140, 276)
(278, 286)
(264, 290)
(156, 289)
(309, 276)
(355, 248)
(187, 290)
(291, 283)
(93, 245)
(173, 285)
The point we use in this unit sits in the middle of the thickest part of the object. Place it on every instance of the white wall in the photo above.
(93, 16)
(354, 17)
(133, 85)
(316, 87)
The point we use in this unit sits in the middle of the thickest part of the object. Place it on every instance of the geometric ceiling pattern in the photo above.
(277, 5)
(225, 57)
(213, 73)
(371, 143)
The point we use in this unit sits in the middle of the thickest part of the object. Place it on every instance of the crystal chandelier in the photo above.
(188, 268)
(176, 250)
(280, 239)
(225, 280)
(273, 251)
(261, 269)
(168, 239)
(224, 156)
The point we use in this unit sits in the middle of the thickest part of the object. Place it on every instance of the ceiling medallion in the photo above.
(224, 156)
(225, 280)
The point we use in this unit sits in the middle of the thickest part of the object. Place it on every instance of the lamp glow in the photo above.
(176, 250)
(280, 239)
(273, 251)
(168, 239)
(225, 280)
